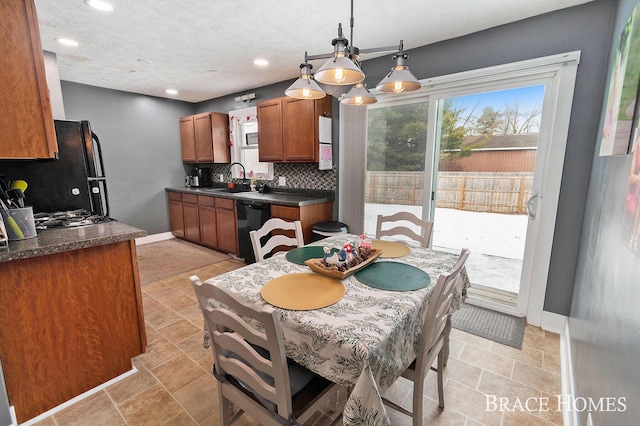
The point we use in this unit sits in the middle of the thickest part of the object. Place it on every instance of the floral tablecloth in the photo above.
(364, 341)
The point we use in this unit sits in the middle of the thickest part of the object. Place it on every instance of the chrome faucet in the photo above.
(244, 173)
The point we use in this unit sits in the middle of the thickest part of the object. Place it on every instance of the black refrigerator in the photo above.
(75, 180)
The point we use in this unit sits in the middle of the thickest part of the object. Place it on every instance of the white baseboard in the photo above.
(569, 417)
(553, 322)
(154, 238)
(80, 397)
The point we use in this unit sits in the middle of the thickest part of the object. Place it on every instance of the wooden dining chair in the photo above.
(280, 236)
(402, 229)
(432, 340)
(250, 363)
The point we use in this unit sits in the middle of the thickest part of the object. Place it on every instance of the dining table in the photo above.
(367, 338)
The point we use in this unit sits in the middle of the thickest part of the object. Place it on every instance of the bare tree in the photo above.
(515, 121)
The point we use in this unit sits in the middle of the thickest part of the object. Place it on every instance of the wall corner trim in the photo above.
(553, 322)
(569, 417)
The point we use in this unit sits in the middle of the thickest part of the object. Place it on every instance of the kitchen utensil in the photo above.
(19, 184)
(16, 196)
(12, 225)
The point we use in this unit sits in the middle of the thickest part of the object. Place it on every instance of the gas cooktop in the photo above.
(67, 219)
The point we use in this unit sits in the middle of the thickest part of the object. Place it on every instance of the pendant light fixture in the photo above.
(343, 68)
(359, 95)
(400, 78)
(305, 87)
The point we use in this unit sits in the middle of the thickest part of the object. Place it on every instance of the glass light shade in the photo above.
(359, 95)
(305, 88)
(399, 80)
(339, 71)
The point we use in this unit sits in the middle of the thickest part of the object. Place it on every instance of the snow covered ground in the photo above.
(496, 241)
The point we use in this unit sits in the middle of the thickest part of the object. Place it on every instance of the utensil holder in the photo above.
(19, 223)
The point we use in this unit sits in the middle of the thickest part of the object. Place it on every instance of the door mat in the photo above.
(496, 326)
(167, 258)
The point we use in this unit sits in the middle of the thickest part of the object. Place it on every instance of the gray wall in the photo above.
(604, 322)
(140, 139)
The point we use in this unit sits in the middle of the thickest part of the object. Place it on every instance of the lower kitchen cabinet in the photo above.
(71, 321)
(208, 221)
(205, 220)
(227, 225)
(307, 215)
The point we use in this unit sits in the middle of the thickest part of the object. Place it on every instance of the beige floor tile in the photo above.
(179, 302)
(179, 330)
(152, 333)
(183, 284)
(510, 391)
(46, 422)
(470, 338)
(182, 419)
(98, 411)
(166, 294)
(131, 386)
(162, 318)
(469, 402)
(455, 347)
(527, 354)
(152, 407)
(150, 304)
(487, 360)
(193, 347)
(538, 378)
(553, 412)
(551, 363)
(80, 403)
(158, 352)
(193, 314)
(523, 418)
(199, 398)
(460, 371)
(177, 372)
(533, 329)
(155, 287)
(547, 343)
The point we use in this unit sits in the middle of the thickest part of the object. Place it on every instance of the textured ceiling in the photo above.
(205, 48)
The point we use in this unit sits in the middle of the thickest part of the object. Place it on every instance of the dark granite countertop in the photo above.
(67, 239)
(286, 198)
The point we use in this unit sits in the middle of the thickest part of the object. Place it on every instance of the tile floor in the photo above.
(174, 385)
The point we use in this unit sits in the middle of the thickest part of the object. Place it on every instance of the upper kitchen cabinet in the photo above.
(288, 129)
(25, 111)
(205, 138)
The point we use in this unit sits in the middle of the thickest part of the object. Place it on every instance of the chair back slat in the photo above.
(284, 235)
(400, 229)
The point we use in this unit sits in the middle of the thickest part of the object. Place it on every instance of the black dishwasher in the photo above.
(251, 216)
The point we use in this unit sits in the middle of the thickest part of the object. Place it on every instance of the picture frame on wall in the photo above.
(618, 130)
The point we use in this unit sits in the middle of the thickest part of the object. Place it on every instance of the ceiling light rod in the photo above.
(398, 49)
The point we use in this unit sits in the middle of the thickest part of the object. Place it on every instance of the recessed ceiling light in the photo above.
(171, 91)
(100, 5)
(67, 42)
(261, 62)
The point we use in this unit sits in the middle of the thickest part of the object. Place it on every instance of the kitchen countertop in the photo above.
(289, 198)
(67, 239)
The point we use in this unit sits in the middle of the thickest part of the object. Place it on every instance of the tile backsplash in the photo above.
(297, 176)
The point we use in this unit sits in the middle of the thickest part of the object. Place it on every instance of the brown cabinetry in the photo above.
(71, 321)
(307, 215)
(25, 119)
(205, 220)
(205, 138)
(288, 128)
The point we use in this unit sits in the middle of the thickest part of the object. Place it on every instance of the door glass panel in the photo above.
(396, 147)
(486, 157)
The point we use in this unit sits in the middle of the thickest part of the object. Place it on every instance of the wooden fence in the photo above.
(472, 191)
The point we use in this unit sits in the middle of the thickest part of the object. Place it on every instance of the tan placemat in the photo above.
(391, 248)
(302, 292)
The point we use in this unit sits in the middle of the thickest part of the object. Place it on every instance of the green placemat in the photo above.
(393, 276)
(301, 254)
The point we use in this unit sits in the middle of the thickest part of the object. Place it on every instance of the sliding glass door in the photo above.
(473, 153)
